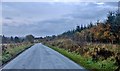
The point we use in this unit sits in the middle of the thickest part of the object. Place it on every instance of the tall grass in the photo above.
(87, 62)
(12, 51)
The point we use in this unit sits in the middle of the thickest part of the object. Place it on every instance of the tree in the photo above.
(81, 27)
(117, 19)
(4, 39)
(114, 21)
(90, 25)
(111, 18)
(30, 38)
(11, 39)
(78, 29)
(16, 39)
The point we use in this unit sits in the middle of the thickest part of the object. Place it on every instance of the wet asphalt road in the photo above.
(40, 56)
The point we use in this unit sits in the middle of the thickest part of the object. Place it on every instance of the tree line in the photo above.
(16, 39)
(101, 32)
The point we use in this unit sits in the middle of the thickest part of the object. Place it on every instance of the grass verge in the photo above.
(11, 52)
(105, 65)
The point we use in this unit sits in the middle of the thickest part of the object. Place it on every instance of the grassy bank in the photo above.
(10, 51)
(87, 62)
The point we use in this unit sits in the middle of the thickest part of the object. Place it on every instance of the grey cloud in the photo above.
(92, 11)
(43, 28)
(66, 17)
(115, 4)
(9, 18)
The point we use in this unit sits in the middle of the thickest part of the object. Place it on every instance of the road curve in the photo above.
(41, 57)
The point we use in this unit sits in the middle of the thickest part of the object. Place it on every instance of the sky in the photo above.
(50, 18)
(59, 0)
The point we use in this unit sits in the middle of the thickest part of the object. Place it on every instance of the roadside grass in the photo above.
(86, 62)
(12, 52)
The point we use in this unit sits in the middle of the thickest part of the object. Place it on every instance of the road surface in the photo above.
(41, 57)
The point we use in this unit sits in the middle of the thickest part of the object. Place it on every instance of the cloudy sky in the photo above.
(50, 18)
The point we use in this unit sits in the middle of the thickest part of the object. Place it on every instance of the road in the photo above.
(40, 56)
